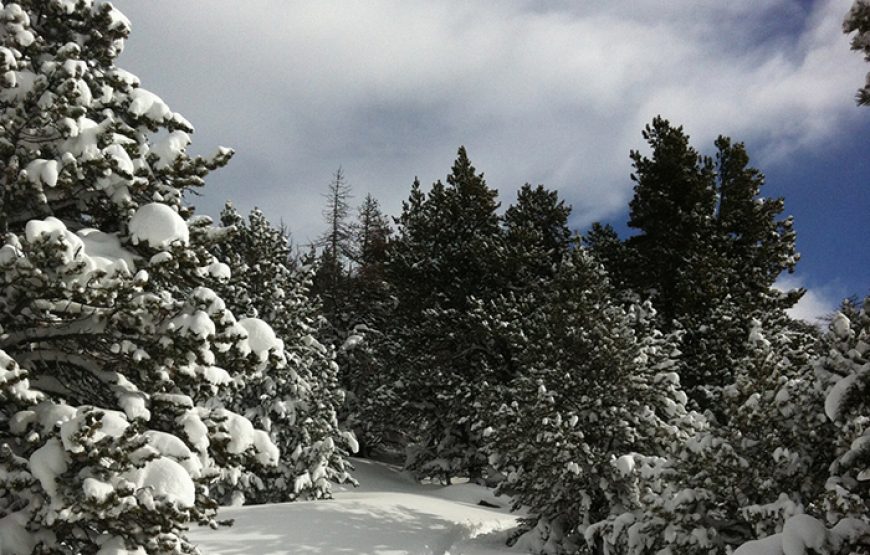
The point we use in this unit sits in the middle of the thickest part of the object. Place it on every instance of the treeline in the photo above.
(636, 394)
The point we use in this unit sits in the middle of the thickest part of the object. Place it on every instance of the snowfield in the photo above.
(389, 514)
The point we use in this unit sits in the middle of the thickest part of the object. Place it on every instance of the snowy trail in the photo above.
(389, 514)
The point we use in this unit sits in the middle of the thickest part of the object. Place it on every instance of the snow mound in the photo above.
(105, 252)
(47, 463)
(158, 226)
(170, 148)
(837, 396)
(42, 172)
(146, 103)
(171, 446)
(116, 546)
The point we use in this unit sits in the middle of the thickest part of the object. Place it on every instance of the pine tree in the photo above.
(594, 392)
(114, 343)
(296, 400)
(363, 344)
(835, 522)
(858, 21)
(708, 243)
(604, 244)
(537, 234)
(673, 206)
(371, 233)
(446, 257)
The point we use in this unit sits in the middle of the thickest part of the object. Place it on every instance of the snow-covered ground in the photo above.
(389, 514)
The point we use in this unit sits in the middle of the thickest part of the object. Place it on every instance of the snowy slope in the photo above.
(388, 514)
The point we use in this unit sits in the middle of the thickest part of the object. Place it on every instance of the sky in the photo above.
(550, 92)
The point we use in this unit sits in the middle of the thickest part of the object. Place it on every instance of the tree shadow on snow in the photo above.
(326, 527)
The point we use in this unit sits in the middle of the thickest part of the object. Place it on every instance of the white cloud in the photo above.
(553, 93)
(816, 303)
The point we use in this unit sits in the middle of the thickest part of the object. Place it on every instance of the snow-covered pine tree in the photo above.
(742, 478)
(594, 393)
(106, 302)
(708, 242)
(837, 521)
(775, 428)
(858, 21)
(295, 398)
(759, 478)
(844, 372)
(447, 256)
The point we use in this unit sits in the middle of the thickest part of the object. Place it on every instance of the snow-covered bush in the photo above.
(740, 476)
(115, 347)
(803, 534)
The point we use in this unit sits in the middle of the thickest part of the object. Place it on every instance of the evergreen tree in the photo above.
(604, 244)
(447, 256)
(594, 391)
(708, 243)
(363, 344)
(297, 399)
(844, 372)
(371, 233)
(114, 345)
(537, 234)
(858, 21)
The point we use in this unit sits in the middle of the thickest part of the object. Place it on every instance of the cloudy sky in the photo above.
(552, 92)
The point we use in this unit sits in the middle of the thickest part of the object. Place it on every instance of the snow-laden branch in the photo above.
(91, 364)
(93, 324)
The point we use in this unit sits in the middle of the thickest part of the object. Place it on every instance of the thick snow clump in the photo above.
(159, 226)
